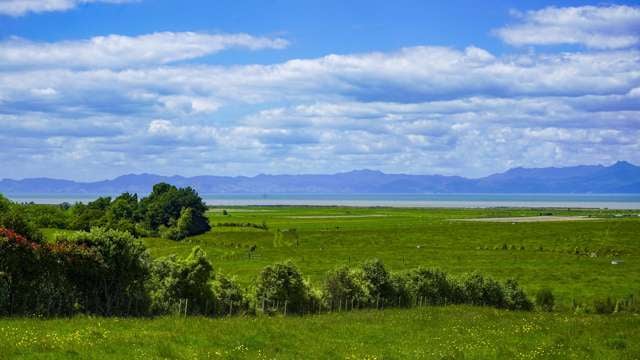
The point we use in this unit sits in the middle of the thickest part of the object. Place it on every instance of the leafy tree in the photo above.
(176, 280)
(85, 217)
(124, 207)
(4, 204)
(281, 285)
(32, 280)
(164, 206)
(229, 296)
(379, 280)
(431, 284)
(46, 216)
(17, 219)
(112, 279)
(345, 284)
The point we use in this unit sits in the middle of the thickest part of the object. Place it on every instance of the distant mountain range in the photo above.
(621, 177)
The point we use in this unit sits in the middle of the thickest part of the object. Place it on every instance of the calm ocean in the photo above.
(610, 201)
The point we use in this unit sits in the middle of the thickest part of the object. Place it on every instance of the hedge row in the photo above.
(109, 273)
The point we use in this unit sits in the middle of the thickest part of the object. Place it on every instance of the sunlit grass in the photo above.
(455, 332)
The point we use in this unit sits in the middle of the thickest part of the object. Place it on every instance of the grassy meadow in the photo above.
(559, 255)
(573, 258)
(451, 332)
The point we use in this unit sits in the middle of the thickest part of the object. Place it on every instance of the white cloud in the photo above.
(22, 7)
(598, 27)
(419, 109)
(412, 75)
(117, 51)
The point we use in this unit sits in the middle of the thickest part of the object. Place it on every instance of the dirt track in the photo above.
(530, 219)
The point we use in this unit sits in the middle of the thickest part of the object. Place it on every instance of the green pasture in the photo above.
(451, 332)
(573, 258)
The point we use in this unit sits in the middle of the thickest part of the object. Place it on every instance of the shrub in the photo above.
(545, 299)
(401, 292)
(175, 280)
(229, 297)
(32, 280)
(112, 279)
(515, 297)
(379, 280)
(493, 294)
(345, 284)
(477, 290)
(431, 284)
(281, 285)
(605, 306)
(17, 219)
(472, 288)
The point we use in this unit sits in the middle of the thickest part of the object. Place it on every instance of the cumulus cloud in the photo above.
(117, 51)
(597, 27)
(411, 75)
(421, 109)
(22, 7)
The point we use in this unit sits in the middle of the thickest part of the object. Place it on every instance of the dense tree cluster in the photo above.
(167, 211)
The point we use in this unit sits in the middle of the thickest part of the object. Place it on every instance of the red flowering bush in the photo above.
(33, 277)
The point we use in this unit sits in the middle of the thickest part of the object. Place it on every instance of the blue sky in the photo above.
(91, 89)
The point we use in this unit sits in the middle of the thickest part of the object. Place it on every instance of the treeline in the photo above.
(110, 273)
(167, 211)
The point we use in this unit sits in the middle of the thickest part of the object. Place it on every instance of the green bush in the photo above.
(113, 279)
(343, 284)
(605, 306)
(279, 286)
(17, 219)
(174, 281)
(545, 299)
(180, 229)
(430, 286)
(165, 204)
(379, 280)
(32, 277)
(229, 297)
(516, 299)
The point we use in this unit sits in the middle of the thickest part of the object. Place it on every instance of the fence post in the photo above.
(285, 307)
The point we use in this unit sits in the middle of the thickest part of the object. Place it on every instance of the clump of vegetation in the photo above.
(262, 226)
(545, 299)
(168, 211)
(101, 272)
(176, 280)
(604, 306)
(280, 287)
(167, 206)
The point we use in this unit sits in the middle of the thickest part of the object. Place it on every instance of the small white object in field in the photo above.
(417, 246)
(616, 262)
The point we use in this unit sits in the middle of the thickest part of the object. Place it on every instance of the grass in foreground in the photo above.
(453, 332)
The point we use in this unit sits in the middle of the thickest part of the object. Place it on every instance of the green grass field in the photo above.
(573, 258)
(538, 254)
(452, 332)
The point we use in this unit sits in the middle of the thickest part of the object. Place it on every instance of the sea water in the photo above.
(609, 201)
